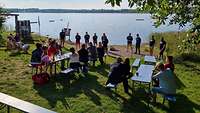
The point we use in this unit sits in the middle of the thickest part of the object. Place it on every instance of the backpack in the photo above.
(40, 79)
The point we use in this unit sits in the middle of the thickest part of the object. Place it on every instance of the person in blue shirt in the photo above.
(138, 42)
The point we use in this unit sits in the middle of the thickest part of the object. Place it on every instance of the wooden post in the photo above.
(16, 24)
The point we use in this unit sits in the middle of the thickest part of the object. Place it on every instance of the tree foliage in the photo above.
(176, 11)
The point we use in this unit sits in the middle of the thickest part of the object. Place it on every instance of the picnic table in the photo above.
(143, 75)
(21, 105)
(59, 58)
(150, 59)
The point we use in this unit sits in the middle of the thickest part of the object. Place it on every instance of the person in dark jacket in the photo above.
(95, 37)
(101, 52)
(87, 39)
(129, 42)
(62, 38)
(37, 53)
(121, 73)
(92, 53)
(162, 48)
(83, 57)
(78, 39)
(105, 42)
(151, 45)
(138, 43)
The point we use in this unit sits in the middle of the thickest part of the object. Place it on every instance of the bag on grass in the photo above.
(40, 79)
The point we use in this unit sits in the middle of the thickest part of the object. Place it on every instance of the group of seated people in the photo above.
(164, 78)
(14, 43)
(81, 58)
(45, 53)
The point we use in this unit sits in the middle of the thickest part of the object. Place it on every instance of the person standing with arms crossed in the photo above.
(78, 39)
(129, 42)
(138, 42)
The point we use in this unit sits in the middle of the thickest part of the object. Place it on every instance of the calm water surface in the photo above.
(116, 26)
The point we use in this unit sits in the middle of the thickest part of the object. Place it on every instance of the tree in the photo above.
(176, 11)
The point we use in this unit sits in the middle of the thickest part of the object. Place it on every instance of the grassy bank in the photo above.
(87, 94)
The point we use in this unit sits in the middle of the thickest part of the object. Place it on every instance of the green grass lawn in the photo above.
(87, 93)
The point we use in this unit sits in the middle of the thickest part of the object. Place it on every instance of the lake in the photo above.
(116, 26)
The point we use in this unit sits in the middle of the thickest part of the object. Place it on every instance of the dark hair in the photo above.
(119, 60)
(83, 46)
(72, 50)
(127, 61)
(38, 45)
(170, 59)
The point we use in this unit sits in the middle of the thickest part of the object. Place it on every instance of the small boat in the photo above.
(51, 20)
(139, 19)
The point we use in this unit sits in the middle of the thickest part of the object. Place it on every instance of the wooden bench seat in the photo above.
(21, 105)
(67, 71)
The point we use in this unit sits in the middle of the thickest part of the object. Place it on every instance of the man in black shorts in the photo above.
(129, 42)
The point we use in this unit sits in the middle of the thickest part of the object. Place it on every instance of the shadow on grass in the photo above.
(101, 69)
(183, 105)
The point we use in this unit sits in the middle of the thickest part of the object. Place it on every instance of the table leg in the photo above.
(55, 68)
(8, 109)
(133, 87)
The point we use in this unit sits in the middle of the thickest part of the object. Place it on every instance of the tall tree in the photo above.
(176, 11)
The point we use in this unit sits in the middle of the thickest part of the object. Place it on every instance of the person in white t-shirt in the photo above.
(74, 60)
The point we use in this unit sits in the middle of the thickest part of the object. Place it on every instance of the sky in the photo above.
(61, 4)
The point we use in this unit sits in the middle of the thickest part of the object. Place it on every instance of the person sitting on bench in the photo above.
(74, 60)
(120, 73)
(167, 85)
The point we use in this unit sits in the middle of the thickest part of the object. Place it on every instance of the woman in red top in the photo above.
(52, 49)
(169, 63)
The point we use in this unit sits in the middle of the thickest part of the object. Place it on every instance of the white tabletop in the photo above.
(144, 73)
(150, 59)
(62, 57)
(22, 105)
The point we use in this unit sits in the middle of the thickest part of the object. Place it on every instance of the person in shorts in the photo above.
(129, 42)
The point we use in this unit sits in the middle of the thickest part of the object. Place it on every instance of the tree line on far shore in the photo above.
(37, 10)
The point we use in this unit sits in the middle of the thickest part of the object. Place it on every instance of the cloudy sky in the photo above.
(64, 4)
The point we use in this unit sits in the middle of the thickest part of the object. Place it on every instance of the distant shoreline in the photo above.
(37, 10)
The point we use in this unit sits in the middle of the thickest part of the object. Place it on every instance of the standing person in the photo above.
(162, 48)
(129, 42)
(87, 39)
(62, 38)
(105, 42)
(101, 52)
(78, 39)
(151, 45)
(138, 42)
(92, 53)
(83, 57)
(95, 37)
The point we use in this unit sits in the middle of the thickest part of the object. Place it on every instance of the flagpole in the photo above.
(39, 24)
